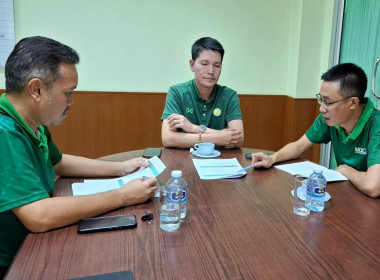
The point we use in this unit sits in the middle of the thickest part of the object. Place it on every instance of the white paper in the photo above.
(98, 186)
(306, 168)
(211, 169)
(7, 36)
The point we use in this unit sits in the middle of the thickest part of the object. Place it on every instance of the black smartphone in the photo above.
(151, 152)
(107, 223)
(248, 155)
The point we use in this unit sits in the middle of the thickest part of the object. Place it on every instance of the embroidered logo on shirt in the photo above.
(217, 112)
(188, 110)
(361, 151)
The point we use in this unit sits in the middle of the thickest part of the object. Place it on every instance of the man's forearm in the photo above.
(75, 166)
(358, 179)
(180, 140)
(56, 212)
(367, 182)
(231, 136)
(188, 140)
(50, 213)
(292, 150)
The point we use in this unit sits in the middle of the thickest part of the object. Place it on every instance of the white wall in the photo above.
(144, 46)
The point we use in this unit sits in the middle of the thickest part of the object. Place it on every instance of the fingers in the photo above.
(174, 124)
(139, 190)
(142, 162)
(132, 164)
(144, 182)
(236, 137)
(175, 121)
(139, 162)
(235, 141)
(341, 168)
(179, 122)
(258, 156)
(235, 133)
(173, 116)
(150, 186)
(151, 182)
(259, 159)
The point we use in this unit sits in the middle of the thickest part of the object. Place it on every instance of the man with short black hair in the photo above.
(201, 110)
(349, 121)
(40, 78)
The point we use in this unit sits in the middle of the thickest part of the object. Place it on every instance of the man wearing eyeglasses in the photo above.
(349, 121)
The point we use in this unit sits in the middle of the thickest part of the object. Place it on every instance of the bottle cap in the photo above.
(176, 173)
(317, 170)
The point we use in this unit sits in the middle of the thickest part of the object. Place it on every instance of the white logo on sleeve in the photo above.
(361, 151)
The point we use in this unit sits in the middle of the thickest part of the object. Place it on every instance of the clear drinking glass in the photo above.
(299, 197)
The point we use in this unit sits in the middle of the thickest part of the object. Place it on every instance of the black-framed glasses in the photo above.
(328, 104)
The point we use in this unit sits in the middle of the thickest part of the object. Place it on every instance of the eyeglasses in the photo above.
(328, 104)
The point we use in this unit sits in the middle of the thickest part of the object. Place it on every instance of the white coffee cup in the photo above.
(204, 148)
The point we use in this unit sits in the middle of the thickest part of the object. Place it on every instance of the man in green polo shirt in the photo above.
(201, 110)
(350, 122)
(40, 78)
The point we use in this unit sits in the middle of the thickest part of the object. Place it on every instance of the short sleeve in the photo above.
(20, 173)
(319, 132)
(172, 104)
(374, 142)
(233, 109)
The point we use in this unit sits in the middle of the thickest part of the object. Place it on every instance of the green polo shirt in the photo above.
(215, 113)
(26, 174)
(360, 149)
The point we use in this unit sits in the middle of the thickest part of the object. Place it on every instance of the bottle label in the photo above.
(173, 197)
(319, 191)
(184, 197)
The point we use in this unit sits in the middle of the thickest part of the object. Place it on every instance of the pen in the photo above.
(246, 168)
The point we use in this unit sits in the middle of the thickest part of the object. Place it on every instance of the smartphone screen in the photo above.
(107, 223)
(151, 152)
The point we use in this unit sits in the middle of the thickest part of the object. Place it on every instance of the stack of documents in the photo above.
(306, 168)
(210, 169)
(98, 186)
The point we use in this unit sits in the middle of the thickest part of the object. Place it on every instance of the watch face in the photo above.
(202, 128)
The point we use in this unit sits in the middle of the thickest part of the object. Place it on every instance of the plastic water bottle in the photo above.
(177, 182)
(170, 210)
(183, 184)
(316, 189)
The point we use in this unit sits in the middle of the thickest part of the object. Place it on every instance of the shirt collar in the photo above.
(41, 141)
(198, 96)
(367, 112)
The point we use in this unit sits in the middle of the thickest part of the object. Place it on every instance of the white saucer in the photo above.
(302, 194)
(215, 154)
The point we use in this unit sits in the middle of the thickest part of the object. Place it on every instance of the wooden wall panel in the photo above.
(304, 115)
(263, 118)
(102, 123)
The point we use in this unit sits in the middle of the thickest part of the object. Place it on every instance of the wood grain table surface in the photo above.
(235, 229)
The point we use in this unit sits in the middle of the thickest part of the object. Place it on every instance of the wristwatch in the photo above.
(202, 129)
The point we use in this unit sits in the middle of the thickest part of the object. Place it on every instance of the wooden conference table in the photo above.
(235, 229)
